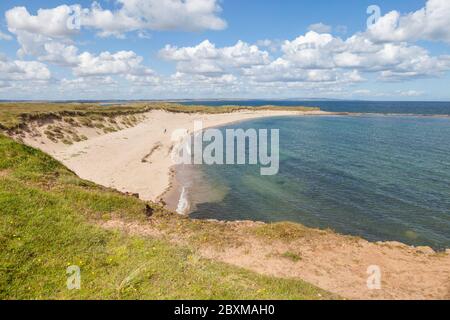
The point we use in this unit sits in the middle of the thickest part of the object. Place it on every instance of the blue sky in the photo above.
(145, 49)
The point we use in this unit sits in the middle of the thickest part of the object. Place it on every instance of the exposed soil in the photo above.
(328, 260)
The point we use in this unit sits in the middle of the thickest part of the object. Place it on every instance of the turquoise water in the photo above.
(379, 177)
(385, 107)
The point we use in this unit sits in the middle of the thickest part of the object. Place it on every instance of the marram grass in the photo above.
(16, 114)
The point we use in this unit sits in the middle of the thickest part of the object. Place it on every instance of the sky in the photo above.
(234, 49)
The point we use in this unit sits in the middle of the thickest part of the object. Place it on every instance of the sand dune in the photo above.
(137, 160)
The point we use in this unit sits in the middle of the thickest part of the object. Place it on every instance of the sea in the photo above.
(383, 175)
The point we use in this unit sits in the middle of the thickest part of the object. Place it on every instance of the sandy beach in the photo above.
(138, 160)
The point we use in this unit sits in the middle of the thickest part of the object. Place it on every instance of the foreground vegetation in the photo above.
(49, 221)
(13, 115)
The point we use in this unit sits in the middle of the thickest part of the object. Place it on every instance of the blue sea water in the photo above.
(375, 176)
(385, 107)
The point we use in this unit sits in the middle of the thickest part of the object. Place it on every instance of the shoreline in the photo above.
(172, 197)
(82, 157)
(175, 191)
(137, 160)
(329, 260)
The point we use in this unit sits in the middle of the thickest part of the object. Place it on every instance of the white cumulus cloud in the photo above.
(19, 70)
(429, 23)
(184, 15)
(318, 61)
(320, 28)
(132, 15)
(106, 63)
(393, 60)
(206, 58)
(47, 22)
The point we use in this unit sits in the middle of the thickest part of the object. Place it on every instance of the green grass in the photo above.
(294, 257)
(13, 115)
(47, 217)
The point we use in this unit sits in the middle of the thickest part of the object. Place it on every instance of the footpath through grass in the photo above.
(46, 225)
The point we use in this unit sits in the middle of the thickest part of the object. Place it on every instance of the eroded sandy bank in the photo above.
(344, 265)
(137, 160)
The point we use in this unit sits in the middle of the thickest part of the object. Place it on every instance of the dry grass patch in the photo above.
(286, 231)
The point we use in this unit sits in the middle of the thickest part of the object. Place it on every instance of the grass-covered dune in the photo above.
(130, 249)
(13, 115)
(51, 219)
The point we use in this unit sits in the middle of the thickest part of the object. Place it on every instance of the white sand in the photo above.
(115, 160)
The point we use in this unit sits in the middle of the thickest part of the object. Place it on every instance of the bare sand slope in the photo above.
(334, 262)
(344, 266)
(137, 160)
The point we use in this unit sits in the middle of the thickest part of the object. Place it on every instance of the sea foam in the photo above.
(183, 202)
